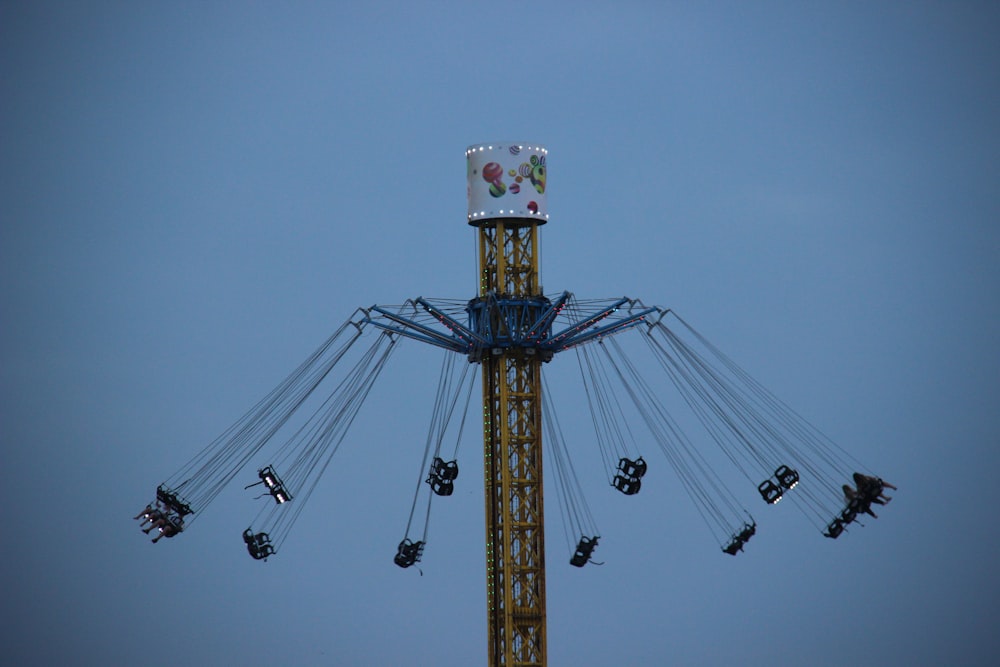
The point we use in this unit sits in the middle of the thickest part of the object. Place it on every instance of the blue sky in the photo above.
(193, 196)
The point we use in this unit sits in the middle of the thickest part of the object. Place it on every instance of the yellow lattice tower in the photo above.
(507, 205)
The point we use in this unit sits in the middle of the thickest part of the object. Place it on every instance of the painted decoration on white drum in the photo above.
(506, 180)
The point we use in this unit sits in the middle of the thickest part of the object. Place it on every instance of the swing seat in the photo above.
(787, 477)
(440, 486)
(629, 468)
(770, 492)
(408, 553)
(584, 548)
(274, 485)
(835, 528)
(733, 547)
(446, 470)
(848, 515)
(627, 485)
(741, 538)
(172, 501)
(258, 545)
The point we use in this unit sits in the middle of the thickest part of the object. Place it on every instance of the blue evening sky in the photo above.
(194, 195)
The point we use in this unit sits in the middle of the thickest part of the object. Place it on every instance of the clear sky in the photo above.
(194, 195)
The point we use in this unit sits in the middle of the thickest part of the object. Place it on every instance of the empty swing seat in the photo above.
(446, 470)
(442, 487)
(629, 475)
(835, 528)
(627, 485)
(770, 492)
(258, 544)
(274, 485)
(787, 477)
(408, 553)
(629, 468)
(442, 476)
(584, 548)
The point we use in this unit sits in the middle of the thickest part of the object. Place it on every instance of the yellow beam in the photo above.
(512, 421)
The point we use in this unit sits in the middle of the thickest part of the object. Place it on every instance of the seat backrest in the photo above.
(770, 492)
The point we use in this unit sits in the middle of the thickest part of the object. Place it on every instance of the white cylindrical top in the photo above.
(506, 180)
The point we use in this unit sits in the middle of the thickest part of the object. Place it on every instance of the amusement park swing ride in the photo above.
(510, 330)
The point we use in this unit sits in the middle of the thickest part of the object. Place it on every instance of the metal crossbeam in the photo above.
(418, 331)
(606, 330)
(584, 324)
(467, 335)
